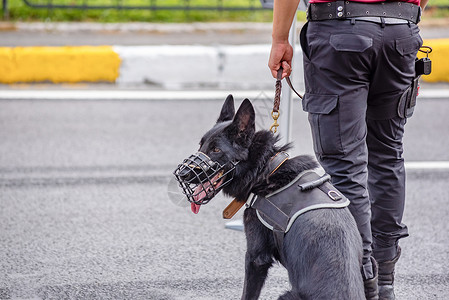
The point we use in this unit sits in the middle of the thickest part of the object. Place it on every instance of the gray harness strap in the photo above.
(308, 191)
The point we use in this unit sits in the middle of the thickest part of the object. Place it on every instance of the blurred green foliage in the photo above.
(19, 11)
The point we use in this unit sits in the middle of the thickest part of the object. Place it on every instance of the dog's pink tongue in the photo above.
(195, 207)
(198, 194)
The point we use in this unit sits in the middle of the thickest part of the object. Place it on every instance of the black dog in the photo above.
(322, 250)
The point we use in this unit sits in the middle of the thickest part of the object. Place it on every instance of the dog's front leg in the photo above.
(259, 255)
(256, 270)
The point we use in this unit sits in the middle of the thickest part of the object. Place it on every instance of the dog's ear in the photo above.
(243, 124)
(228, 110)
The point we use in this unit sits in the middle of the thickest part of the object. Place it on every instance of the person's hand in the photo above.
(281, 55)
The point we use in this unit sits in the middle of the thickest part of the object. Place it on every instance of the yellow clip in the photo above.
(275, 115)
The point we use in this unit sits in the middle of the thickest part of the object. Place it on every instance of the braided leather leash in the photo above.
(277, 98)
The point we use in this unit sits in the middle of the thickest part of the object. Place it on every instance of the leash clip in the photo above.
(277, 101)
(275, 115)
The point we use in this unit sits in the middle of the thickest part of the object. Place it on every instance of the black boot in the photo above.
(386, 278)
(371, 289)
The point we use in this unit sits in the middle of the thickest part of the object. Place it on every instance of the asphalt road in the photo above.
(84, 211)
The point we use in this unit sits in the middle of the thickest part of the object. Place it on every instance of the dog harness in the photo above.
(279, 210)
(308, 191)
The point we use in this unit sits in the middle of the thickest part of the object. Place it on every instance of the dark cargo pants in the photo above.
(355, 72)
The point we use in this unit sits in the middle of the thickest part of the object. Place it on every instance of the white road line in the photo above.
(160, 94)
(157, 172)
(128, 95)
(427, 165)
(433, 93)
(420, 166)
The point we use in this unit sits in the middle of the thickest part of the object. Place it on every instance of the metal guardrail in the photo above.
(217, 5)
(5, 9)
(152, 5)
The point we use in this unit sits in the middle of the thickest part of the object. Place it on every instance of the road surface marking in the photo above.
(72, 94)
(427, 165)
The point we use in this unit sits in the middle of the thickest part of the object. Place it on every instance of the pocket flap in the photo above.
(319, 104)
(351, 42)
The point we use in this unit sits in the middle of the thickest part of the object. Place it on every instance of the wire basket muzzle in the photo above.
(202, 178)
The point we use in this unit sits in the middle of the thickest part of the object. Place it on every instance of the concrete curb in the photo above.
(172, 67)
(177, 67)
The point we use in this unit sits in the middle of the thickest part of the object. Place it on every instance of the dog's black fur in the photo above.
(323, 248)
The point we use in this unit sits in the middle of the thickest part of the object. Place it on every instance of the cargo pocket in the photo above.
(408, 45)
(324, 120)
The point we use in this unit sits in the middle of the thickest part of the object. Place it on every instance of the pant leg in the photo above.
(337, 57)
(391, 78)
(386, 185)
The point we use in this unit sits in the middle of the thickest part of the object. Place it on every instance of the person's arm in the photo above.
(423, 4)
(281, 51)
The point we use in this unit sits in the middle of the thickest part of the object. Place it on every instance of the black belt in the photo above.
(348, 9)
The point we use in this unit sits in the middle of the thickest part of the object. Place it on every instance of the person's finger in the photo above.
(274, 65)
(287, 69)
(274, 69)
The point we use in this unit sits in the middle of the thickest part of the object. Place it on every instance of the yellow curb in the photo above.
(59, 64)
(440, 60)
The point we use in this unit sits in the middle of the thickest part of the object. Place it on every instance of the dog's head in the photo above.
(204, 174)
